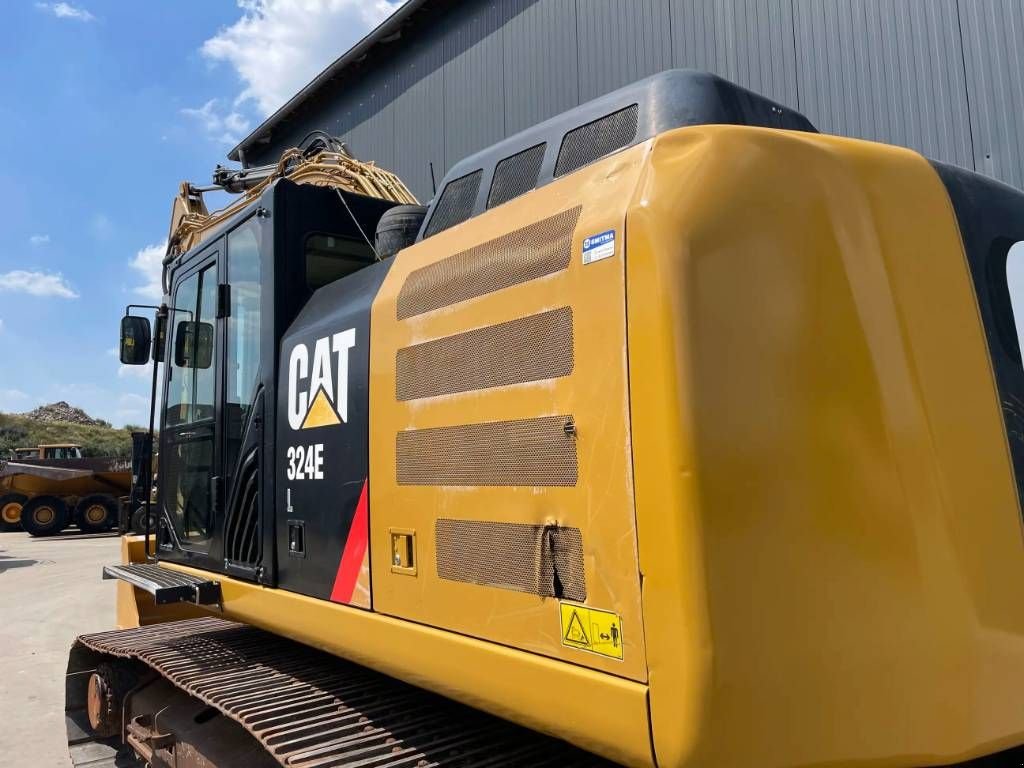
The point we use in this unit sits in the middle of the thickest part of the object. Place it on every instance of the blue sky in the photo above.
(106, 106)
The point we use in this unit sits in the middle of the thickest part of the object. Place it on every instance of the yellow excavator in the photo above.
(671, 432)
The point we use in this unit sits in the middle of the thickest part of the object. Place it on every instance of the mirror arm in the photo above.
(161, 314)
(130, 307)
(162, 308)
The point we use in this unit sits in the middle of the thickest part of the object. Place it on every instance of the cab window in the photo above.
(1015, 286)
(62, 452)
(243, 336)
(191, 375)
(331, 257)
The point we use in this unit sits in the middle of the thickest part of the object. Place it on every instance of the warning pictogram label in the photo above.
(591, 629)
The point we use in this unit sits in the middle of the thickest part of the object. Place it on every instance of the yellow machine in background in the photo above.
(46, 488)
(693, 455)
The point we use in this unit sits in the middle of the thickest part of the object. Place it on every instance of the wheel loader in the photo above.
(45, 489)
(672, 432)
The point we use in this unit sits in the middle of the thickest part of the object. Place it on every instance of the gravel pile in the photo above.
(62, 412)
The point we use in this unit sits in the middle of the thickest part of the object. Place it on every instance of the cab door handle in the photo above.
(216, 493)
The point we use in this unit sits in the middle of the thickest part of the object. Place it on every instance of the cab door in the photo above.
(190, 453)
(242, 415)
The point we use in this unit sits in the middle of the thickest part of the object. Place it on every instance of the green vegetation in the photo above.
(96, 439)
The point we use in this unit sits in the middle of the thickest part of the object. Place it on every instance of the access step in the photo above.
(165, 585)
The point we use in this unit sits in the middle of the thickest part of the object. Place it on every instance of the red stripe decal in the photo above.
(352, 556)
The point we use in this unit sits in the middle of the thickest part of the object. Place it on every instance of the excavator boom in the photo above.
(334, 168)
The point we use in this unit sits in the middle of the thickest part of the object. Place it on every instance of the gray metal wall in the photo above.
(944, 77)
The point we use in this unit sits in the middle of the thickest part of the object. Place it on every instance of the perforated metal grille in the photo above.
(543, 560)
(515, 175)
(242, 542)
(531, 452)
(525, 254)
(587, 143)
(528, 349)
(455, 204)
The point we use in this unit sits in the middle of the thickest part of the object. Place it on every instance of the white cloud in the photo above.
(149, 264)
(37, 240)
(226, 126)
(278, 46)
(66, 11)
(37, 284)
(1, 325)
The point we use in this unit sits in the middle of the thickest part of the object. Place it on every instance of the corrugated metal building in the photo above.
(442, 79)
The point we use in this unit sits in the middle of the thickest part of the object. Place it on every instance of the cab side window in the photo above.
(243, 336)
(332, 257)
(1015, 286)
(191, 376)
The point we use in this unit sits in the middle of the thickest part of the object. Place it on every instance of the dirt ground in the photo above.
(50, 591)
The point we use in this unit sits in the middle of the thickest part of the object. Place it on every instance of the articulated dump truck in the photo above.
(671, 433)
(45, 489)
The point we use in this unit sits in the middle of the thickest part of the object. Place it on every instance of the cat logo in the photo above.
(320, 398)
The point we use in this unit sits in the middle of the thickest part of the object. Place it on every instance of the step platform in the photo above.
(166, 585)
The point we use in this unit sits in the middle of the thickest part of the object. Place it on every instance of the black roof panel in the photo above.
(672, 99)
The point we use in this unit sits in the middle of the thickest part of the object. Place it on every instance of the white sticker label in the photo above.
(600, 246)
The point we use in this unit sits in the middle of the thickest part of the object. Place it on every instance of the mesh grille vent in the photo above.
(528, 349)
(536, 250)
(455, 204)
(528, 452)
(582, 146)
(516, 175)
(543, 560)
(241, 530)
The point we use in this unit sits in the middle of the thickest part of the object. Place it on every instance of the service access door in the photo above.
(501, 495)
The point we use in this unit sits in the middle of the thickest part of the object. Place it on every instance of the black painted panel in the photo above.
(991, 218)
(323, 429)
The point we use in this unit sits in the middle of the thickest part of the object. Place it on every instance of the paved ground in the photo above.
(50, 591)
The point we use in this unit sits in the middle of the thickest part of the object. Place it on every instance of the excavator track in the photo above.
(309, 709)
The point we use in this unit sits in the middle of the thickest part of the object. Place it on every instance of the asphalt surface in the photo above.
(50, 592)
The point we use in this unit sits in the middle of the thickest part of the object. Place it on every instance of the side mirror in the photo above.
(193, 344)
(135, 340)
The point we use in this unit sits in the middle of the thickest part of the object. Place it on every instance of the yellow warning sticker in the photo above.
(591, 629)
